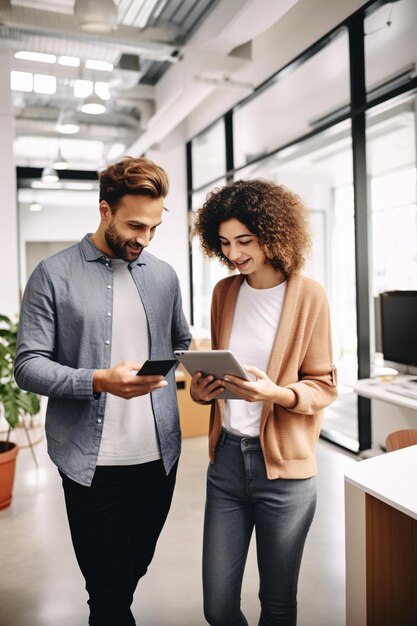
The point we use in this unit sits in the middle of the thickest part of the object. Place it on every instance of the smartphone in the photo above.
(156, 367)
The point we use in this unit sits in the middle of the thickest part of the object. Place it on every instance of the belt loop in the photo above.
(222, 438)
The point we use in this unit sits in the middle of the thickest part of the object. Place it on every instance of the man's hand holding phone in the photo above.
(123, 380)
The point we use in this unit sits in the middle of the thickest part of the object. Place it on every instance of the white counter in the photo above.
(390, 477)
(381, 540)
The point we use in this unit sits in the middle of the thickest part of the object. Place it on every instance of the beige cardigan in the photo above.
(301, 359)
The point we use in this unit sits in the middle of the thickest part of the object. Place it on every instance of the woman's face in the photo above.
(241, 247)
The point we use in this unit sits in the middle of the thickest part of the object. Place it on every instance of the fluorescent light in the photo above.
(67, 123)
(39, 184)
(69, 61)
(49, 175)
(21, 81)
(79, 186)
(35, 56)
(35, 206)
(103, 66)
(44, 83)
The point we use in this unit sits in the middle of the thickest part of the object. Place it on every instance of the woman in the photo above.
(262, 446)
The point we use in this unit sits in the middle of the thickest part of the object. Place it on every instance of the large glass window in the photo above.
(294, 104)
(390, 45)
(282, 133)
(320, 171)
(206, 273)
(391, 156)
(209, 155)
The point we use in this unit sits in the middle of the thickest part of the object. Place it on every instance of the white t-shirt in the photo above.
(129, 429)
(255, 325)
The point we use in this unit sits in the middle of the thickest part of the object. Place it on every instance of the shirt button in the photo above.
(107, 342)
(107, 265)
(109, 314)
(108, 286)
(99, 420)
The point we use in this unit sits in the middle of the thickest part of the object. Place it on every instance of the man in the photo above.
(90, 316)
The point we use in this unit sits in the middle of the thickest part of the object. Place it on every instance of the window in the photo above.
(209, 156)
(294, 104)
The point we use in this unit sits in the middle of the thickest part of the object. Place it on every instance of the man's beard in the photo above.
(119, 248)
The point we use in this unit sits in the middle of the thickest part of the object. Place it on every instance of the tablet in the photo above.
(218, 363)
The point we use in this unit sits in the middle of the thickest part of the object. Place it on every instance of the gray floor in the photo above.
(40, 584)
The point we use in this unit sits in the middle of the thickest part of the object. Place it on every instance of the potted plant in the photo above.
(14, 404)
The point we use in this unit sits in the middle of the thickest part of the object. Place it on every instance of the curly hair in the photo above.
(132, 176)
(272, 212)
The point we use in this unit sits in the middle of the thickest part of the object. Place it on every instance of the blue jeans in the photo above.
(239, 498)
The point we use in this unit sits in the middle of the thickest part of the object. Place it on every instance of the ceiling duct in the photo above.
(24, 28)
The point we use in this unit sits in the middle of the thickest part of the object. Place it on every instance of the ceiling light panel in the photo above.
(43, 83)
(102, 66)
(21, 81)
(39, 184)
(69, 61)
(102, 90)
(39, 57)
(83, 88)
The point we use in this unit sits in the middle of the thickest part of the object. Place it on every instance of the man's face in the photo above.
(133, 225)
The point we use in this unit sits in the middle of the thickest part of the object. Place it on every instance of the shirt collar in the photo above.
(92, 253)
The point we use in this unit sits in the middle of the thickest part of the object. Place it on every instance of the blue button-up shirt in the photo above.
(65, 334)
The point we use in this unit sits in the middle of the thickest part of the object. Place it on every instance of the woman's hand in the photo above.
(205, 388)
(263, 388)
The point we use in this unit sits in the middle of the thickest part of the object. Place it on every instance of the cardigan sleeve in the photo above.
(316, 387)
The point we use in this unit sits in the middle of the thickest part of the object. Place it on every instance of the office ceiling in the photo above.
(139, 55)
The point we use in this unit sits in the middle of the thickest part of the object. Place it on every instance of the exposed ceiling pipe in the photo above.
(20, 26)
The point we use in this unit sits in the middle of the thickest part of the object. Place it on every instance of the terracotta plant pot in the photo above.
(8, 454)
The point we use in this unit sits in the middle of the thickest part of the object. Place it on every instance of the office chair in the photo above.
(401, 439)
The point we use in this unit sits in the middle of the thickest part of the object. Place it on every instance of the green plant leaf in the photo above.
(16, 402)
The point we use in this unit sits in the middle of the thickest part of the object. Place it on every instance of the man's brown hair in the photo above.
(131, 175)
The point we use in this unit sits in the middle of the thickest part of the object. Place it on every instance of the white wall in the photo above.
(9, 295)
(171, 239)
(65, 216)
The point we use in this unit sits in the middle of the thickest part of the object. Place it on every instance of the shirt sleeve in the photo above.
(181, 336)
(35, 368)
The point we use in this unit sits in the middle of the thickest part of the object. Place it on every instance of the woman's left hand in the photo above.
(263, 388)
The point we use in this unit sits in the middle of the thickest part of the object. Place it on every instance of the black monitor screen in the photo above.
(399, 326)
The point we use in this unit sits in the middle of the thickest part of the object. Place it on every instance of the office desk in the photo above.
(381, 540)
(194, 418)
(390, 411)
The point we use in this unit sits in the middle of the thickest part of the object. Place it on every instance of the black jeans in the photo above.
(114, 526)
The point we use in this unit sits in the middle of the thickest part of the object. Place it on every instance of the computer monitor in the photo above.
(399, 326)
